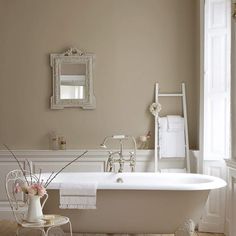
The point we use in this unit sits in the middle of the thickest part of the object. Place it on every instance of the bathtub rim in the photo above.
(213, 182)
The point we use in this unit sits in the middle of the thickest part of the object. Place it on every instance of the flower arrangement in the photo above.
(35, 189)
(33, 185)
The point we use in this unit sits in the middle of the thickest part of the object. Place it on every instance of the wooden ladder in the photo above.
(184, 107)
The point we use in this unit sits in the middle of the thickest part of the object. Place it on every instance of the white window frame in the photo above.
(204, 72)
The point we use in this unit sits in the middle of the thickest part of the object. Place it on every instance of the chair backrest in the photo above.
(17, 200)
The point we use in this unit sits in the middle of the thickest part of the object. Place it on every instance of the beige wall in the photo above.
(136, 42)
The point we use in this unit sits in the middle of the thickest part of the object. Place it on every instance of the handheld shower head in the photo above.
(103, 145)
(120, 137)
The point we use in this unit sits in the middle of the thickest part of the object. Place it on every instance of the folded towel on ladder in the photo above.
(81, 195)
(171, 136)
(175, 123)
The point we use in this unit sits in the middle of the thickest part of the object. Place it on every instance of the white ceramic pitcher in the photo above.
(35, 212)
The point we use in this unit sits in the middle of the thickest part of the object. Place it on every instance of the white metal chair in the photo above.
(19, 205)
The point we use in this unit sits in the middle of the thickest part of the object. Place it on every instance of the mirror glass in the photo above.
(72, 81)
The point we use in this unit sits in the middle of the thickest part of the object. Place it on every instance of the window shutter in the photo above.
(217, 80)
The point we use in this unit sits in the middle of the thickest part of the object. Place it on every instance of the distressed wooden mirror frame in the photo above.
(73, 56)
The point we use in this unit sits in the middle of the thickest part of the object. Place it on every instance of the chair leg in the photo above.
(17, 231)
(70, 228)
(43, 231)
(57, 233)
(20, 230)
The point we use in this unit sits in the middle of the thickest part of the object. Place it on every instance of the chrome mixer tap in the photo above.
(120, 156)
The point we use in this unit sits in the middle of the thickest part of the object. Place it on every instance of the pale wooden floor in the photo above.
(8, 228)
(196, 234)
(208, 234)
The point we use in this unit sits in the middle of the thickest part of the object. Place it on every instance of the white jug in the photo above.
(35, 212)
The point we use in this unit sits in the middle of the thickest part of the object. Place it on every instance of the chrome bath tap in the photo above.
(120, 156)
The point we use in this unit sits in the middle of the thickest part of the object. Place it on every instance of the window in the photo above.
(217, 71)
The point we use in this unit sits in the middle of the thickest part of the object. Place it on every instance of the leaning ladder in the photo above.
(184, 106)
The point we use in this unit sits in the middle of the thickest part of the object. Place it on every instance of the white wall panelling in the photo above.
(231, 213)
(93, 161)
(82, 166)
(48, 161)
(213, 219)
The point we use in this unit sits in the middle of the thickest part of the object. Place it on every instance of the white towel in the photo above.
(81, 195)
(175, 123)
(171, 139)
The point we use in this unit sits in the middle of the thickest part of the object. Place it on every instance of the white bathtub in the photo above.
(143, 203)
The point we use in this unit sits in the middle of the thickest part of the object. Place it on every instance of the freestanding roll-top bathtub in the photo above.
(137, 202)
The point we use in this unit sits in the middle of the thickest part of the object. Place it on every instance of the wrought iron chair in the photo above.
(19, 206)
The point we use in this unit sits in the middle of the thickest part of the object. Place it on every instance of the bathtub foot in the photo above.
(187, 229)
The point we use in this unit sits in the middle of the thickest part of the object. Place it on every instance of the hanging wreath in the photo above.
(155, 108)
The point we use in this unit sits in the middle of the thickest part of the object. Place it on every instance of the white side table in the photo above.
(46, 225)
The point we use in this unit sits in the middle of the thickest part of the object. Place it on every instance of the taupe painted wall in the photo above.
(136, 42)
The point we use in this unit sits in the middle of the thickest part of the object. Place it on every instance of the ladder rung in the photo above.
(170, 95)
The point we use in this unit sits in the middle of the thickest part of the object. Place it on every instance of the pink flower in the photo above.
(31, 190)
(17, 188)
(41, 190)
(36, 189)
(24, 188)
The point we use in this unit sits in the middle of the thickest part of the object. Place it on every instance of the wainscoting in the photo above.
(93, 161)
(231, 199)
(48, 161)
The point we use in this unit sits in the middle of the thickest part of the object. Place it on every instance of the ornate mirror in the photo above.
(73, 79)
